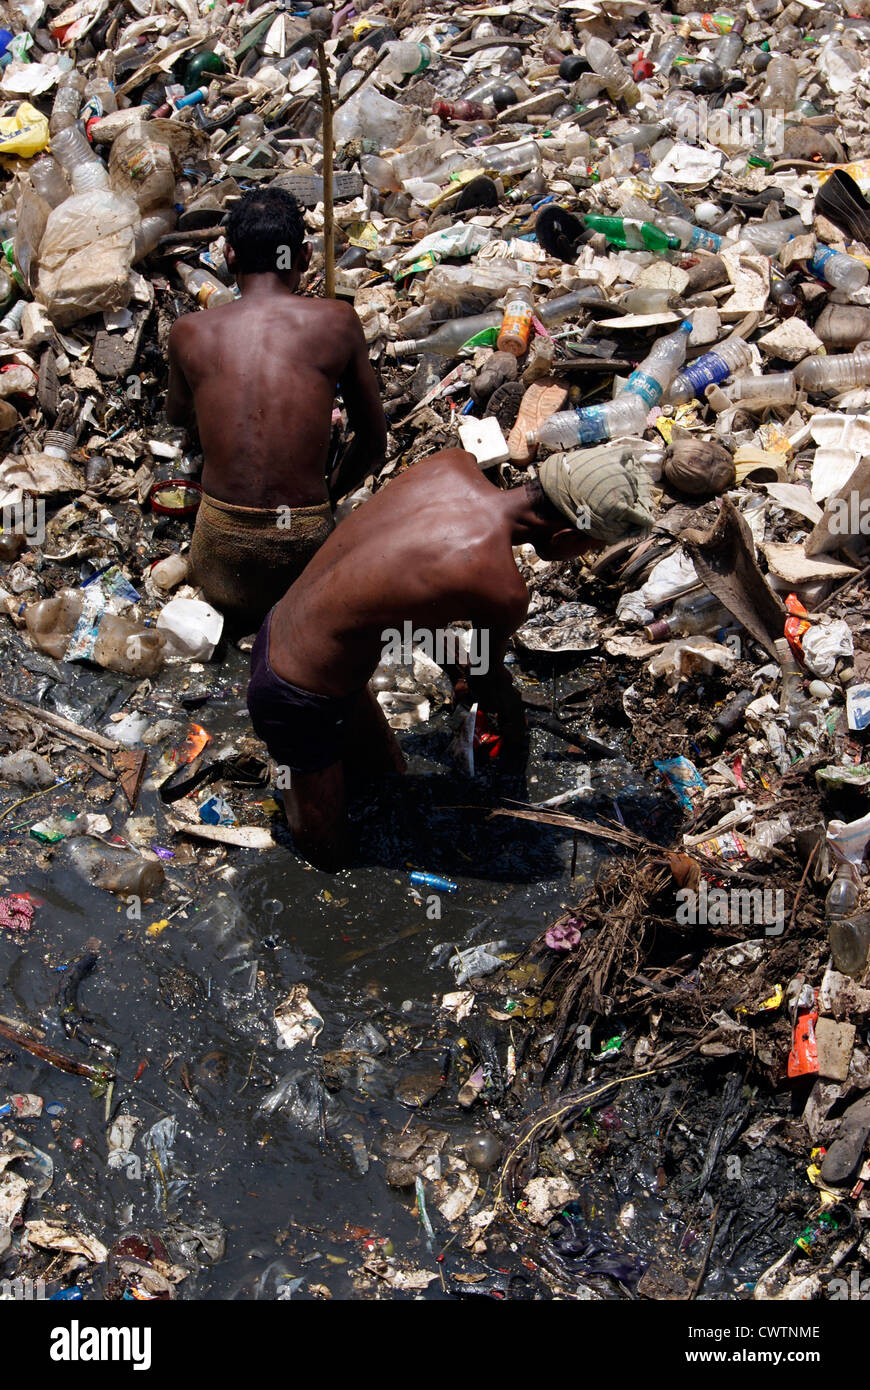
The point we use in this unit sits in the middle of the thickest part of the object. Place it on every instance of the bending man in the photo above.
(432, 547)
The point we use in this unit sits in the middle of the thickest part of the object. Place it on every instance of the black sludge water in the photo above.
(263, 1165)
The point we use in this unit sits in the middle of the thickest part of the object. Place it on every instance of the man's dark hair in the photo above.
(541, 502)
(266, 231)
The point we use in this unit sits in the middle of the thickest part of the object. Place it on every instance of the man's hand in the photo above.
(365, 416)
(496, 694)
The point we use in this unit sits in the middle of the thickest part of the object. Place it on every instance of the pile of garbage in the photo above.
(561, 226)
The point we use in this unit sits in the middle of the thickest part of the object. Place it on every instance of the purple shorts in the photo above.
(302, 730)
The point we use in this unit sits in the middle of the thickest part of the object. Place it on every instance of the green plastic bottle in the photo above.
(629, 234)
(202, 63)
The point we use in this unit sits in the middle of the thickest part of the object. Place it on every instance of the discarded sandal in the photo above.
(541, 401)
(841, 201)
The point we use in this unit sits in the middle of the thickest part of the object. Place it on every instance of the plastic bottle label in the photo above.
(702, 240)
(817, 265)
(592, 425)
(517, 321)
(645, 386)
(709, 368)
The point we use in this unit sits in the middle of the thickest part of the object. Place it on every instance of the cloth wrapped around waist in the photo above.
(246, 558)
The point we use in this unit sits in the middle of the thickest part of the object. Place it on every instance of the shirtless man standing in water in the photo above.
(260, 376)
(432, 547)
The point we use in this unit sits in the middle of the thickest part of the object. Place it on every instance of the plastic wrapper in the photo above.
(85, 256)
(25, 133)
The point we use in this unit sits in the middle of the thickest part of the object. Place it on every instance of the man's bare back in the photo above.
(432, 547)
(262, 376)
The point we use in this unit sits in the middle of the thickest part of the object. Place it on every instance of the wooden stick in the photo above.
(57, 722)
(328, 206)
(365, 77)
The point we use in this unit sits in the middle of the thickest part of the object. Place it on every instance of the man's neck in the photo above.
(268, 284)
(525, 522)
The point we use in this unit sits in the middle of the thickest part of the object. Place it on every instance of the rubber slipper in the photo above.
(541, 401)
(559, 232)
(480, 193)
(841, 201)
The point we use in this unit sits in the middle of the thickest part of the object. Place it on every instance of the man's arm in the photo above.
(365, 414)
(179, 397)
(488, 680)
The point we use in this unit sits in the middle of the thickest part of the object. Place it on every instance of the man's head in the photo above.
(601, 492)
(266, 234)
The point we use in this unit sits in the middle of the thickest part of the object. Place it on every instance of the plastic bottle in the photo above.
(731, 716)
(730, 46)
(843, 272)
(568, 428)
(205, 288)
(690, 237)
(86, 172)
(692, 614)
(404, 58)
(833, 373)
(627, 232)
(119, 645)
(378, 173)
(848, 934)
(67, 101)
(710, 368)
(656, 372)
(117, 870)
(99, 101)
(495, 91)
(448, 339)
(669, 50)
(640, 137)
(770, 237)
(647, 300)
(603, 60)
(516, 326)
(554, 311)
(779, 92)
(516, 159)
(719, 23)
(792, 700)
(459, 110)
(169, 572)
(49, 180)
(776, 388)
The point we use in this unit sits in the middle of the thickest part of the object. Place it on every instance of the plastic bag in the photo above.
(85, 256)
(25, 133)
(143, 169)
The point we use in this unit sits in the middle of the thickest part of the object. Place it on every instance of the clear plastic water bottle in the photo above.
(603, 60)
(67, 101)
(657, 371)
(758, 392)
(85, 171)
(690, 237)
(836, 269)
(710, 369)
(770, 237)
(779, 92)
(569, 428)
(404, 58)
(837, 373)
(730, 46)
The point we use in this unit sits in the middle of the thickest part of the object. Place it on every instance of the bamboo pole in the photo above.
(328, 207)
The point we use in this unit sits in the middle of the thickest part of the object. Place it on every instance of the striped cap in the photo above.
(600, 490)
